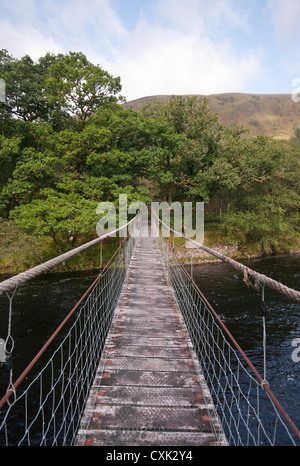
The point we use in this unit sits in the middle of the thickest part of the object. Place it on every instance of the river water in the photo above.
(40, 306)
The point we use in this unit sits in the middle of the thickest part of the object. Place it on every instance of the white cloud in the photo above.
(26, 40)
(84, 24)
(285, 17)
(200, 16)
(174, 63)
(34, 27)
(175, 52)
(285, 20)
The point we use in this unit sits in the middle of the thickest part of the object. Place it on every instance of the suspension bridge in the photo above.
(144, 360)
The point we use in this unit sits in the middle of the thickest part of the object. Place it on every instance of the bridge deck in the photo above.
(149, 389)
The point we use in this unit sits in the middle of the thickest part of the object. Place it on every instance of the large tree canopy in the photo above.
(25, 87)
(79, 88)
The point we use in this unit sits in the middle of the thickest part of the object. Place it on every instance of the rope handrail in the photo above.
(10, 391)
(13, 282)
(261, 381)
(259, 279)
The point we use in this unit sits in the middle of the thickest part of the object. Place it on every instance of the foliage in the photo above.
(67, 144)
(262, 193)
(191, 140)
(77, 87)
(18, 250)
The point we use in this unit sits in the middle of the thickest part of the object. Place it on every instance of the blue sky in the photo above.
(166, 46)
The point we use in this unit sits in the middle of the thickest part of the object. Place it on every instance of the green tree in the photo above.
(25, 87)
(57, 215)
(9, 153)
(187, 140)
(56, 88)
(265, 193)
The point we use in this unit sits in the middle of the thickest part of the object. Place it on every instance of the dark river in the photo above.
(240, 308)
(41, 305)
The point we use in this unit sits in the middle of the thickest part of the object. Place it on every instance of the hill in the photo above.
(274, 115)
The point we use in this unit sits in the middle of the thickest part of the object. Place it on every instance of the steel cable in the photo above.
(259, 279)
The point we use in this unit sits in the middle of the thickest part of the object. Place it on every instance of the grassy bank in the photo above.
(215, 239)
(20, 251)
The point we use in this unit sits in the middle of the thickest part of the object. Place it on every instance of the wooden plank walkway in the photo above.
(149, 389)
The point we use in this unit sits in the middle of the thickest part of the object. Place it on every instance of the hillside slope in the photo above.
(274, 115)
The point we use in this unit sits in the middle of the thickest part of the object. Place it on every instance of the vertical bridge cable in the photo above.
(100, 267)
(264, 334)
(9, 344)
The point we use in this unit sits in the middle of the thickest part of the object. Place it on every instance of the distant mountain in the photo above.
(274, 115)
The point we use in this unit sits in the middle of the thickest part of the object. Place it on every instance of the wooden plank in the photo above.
(147, 332)
(142, 396)
(150, 418)
(125, 340)
(151, 364)
(167, 326)
(145, 378)
(146, 438)
(121, 350)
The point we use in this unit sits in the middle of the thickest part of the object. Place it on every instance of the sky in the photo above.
(166, 46)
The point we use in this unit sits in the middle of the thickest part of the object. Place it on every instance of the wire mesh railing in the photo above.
(47, 407)
(249, 413)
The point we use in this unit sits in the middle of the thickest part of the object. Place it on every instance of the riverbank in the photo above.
(199, 256)
(20, 251)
